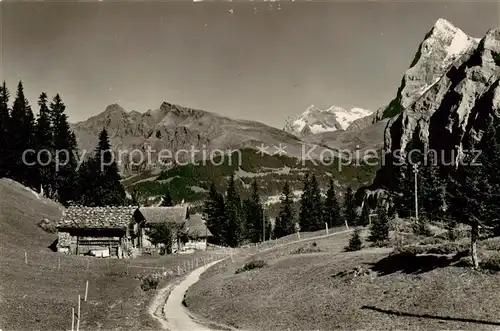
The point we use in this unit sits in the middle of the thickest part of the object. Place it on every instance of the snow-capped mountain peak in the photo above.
(442, 46)
(314, 120)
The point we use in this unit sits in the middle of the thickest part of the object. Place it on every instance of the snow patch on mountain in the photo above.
(315, 120)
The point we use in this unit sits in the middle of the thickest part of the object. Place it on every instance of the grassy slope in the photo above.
(305, 292)
(40, 295)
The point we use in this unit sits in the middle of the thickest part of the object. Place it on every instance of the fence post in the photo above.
(72, 318)
(86, 290)
(78, 318)
(178, 270)
(326, 226)
(346, 225)
(26, 258)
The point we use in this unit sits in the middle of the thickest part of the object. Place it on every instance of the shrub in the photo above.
(492, 263)
(309, 248)
(431, 241)
(255, 264)
(410, 250)
(149, 282)
(447, 248)
(492, 244)
(421, 228)
(442, 249)
(355, 243)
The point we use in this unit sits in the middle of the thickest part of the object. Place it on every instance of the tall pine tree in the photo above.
(316, 206)
(215, 216)
(22, 138)
(475, 188)
(45, 146)
(331, 208)
(285, 222)
(65, 160)
(100, 179)
(349, 207)
(5, 148)
(234, 219)
(254, 215)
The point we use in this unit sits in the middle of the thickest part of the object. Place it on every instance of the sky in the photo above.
(260, 61)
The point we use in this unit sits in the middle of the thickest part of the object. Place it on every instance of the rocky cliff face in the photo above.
(453, 113)
(442, 46)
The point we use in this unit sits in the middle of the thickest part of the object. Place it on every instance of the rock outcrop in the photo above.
(452, 114)
(442, 46)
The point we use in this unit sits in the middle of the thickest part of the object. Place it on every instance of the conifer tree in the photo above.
(379, 230)
(254, 215)
(355, 242)
(65, 162)
(101, 184)
(331, 208)
(305, 205)
(214, 215)
(475, 188)
(349, 207)
(5, 149)
(311, 207)
(22, 138)
(285, 222)
(278, 228)
(167, 200)
(316, 206)
(432, 193)
(44, 140)
(233, 209)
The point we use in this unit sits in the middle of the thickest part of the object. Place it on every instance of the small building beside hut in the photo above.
(98, 231)
(190, 231)
(197, 233)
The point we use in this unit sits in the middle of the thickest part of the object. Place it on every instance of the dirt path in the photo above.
(173, 315)
(169, 310)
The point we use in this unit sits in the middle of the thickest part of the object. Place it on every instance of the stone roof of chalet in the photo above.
(96, 217)
(157, 215)
(196, 227)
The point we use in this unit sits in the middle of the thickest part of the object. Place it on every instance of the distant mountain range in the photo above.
(315, 120)
(447, 79)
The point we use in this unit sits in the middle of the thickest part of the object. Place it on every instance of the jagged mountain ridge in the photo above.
(451, 115)
(173, 127)
(442, 46)
(315, 120)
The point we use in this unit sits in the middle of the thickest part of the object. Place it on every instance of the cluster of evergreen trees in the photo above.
(467, 192)
(315, 212)
(234, 221)
(42, 153)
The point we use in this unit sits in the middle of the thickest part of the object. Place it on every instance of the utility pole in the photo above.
(415, 171)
